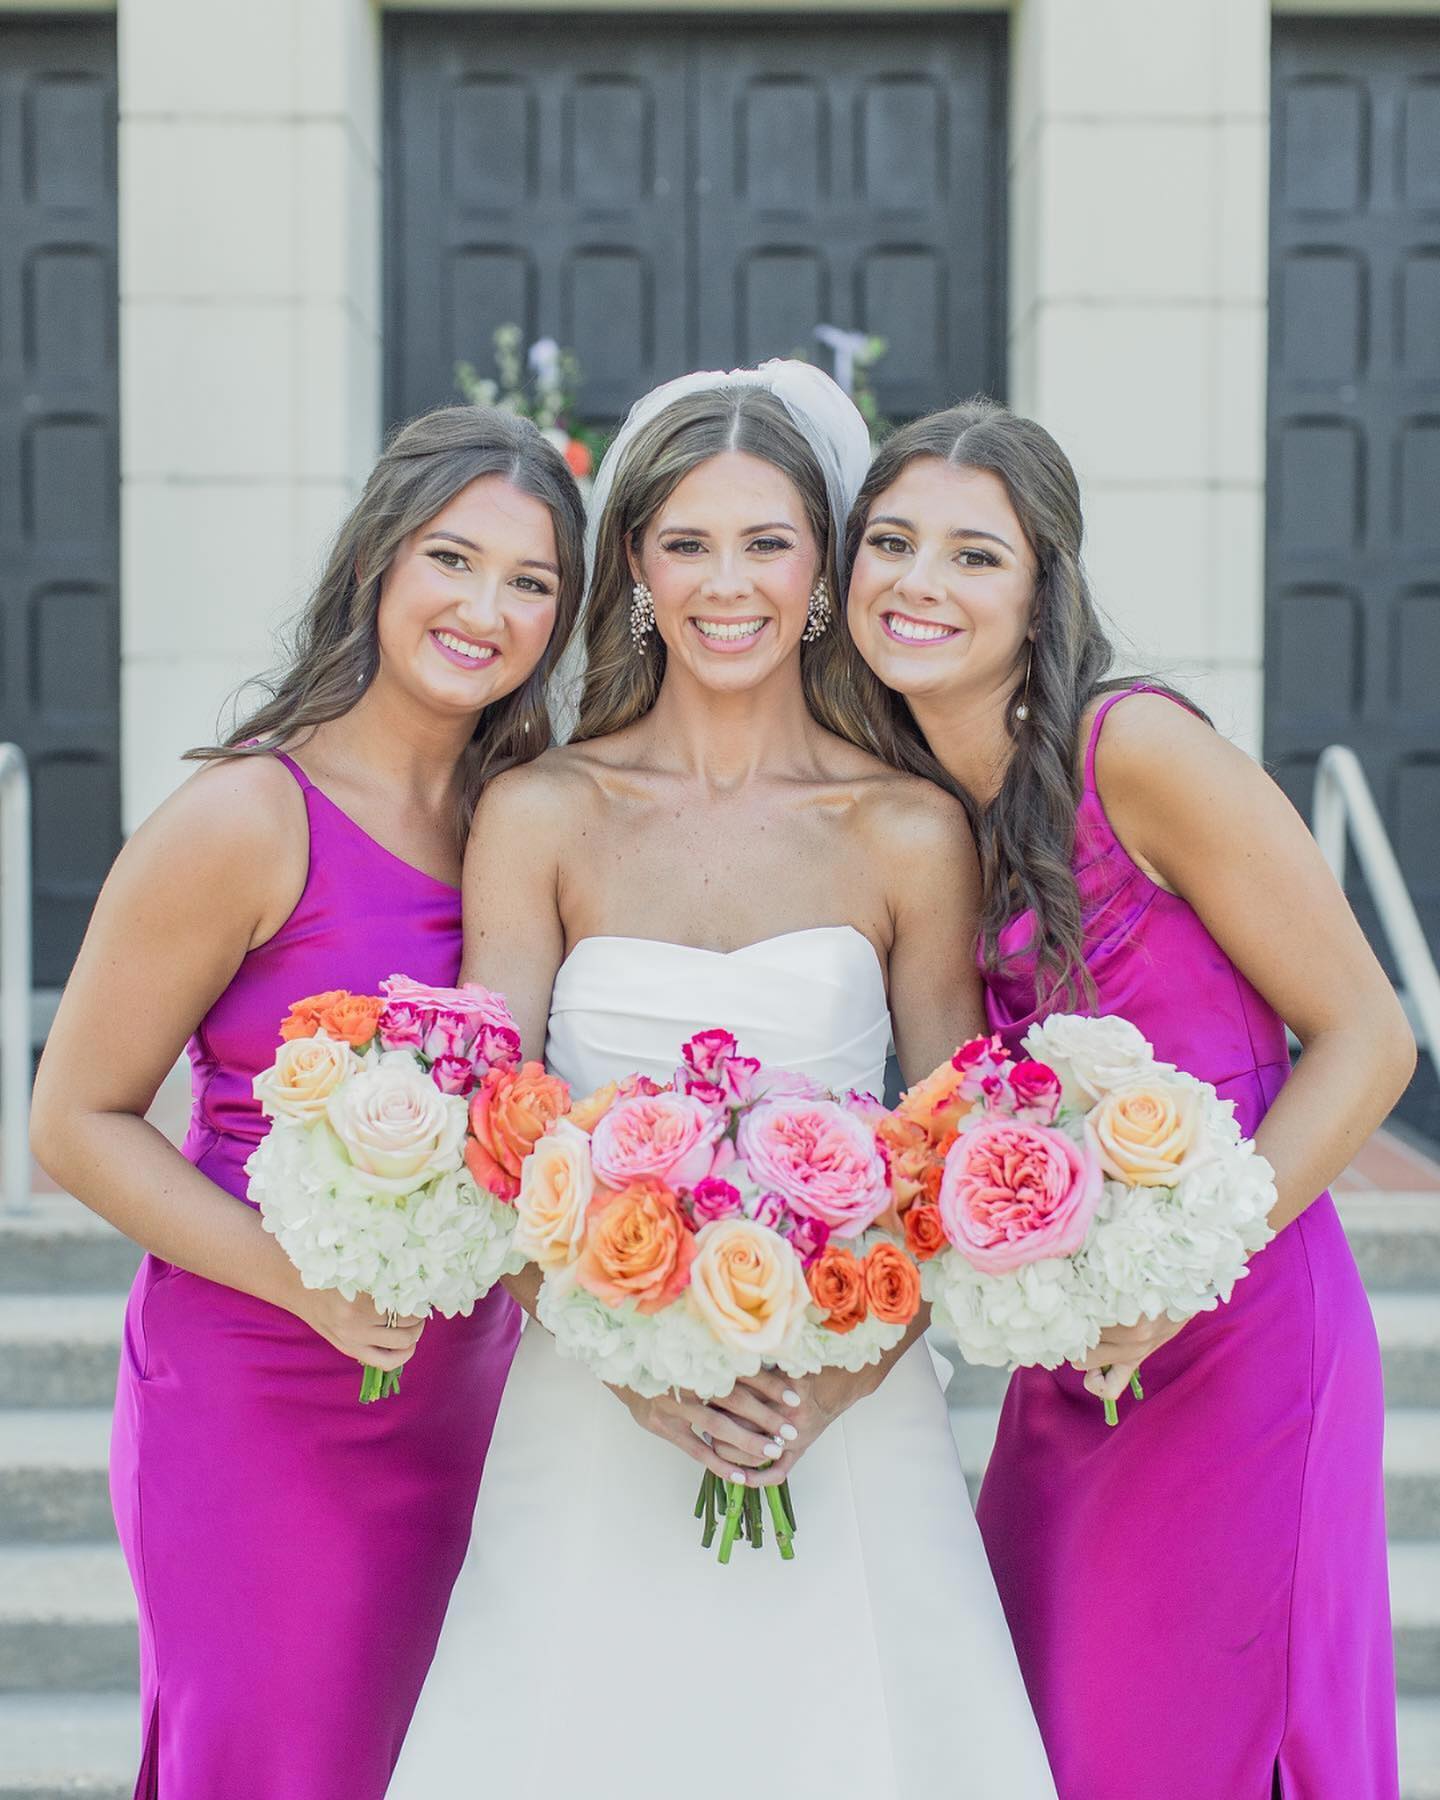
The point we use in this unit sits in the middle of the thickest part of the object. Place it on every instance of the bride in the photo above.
(712, 848)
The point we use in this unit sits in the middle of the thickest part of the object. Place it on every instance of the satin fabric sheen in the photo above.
(592, 1646)
(1198, 1597)
(292, 1550)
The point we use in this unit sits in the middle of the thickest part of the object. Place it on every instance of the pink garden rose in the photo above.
(822, 1160)
(1036, 1091)
(1014, 1193)
(661, 1137)
(787, 1084)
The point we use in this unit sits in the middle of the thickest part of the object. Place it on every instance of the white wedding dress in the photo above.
(592, 1646)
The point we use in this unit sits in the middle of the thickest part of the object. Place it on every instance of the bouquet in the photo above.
(372, 1177)
(733, 1219)
(1083, 1187)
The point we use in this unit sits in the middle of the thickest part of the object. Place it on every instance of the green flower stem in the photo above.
(779, 1517)
(789, 1503)
(378, 1384)
(734, 1508)
(1135, 1387)
(1112, 1412)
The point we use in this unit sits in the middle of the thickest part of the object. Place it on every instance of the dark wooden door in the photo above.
(671, 194)
(1352, 648)
(59, 474)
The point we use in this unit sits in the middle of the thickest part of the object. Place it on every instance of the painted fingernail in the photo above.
(789, 1431)
(790, 1397)
(737, 1475)
(774, 1450)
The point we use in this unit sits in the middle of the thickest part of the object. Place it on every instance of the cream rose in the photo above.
(305, 1073)
(395, 1126)
(556, 1186)
(1147, 1134)
(748, 1286)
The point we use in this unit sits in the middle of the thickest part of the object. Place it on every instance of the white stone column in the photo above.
(249, 340)
(1139, 183)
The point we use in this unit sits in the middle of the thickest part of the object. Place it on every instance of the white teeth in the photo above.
(915, 631)
(476, 652)
(742, 628)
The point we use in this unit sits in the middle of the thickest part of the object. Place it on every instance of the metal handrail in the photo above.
(1343, 802)
(15, 971)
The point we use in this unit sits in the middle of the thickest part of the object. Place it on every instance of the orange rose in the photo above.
(303, 1019)
(924, 1233)
(837, 1283)
(936, 1103)
(588, 1113)
(637, 1247)
(892, 1284)
(510, 1112)
(352, 1019)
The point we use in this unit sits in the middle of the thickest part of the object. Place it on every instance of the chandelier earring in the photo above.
(1022, 711)
(817, 616)
(642, 616)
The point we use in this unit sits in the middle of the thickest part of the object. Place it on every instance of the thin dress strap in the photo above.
(290, 763)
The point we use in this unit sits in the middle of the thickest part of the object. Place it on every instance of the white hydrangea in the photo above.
(437, 1249)
(812, 1348)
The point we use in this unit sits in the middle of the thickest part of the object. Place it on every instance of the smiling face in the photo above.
(468, 602)
(731, 560)
(943, 586)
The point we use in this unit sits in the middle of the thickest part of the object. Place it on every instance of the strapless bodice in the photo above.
(808, 1000)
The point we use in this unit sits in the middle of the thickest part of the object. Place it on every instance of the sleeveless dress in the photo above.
(592, 1646)
(1198, 1596)
(292, 1550)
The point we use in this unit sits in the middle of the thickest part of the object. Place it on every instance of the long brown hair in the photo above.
(1026, 834)
(334, 649)
(620, 684)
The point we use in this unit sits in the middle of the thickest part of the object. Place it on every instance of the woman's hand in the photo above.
(1121, 1351)
(818, 1401)
(735, 1437)
(358, 1330)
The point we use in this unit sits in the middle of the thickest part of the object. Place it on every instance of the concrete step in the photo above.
(1419, 1748)
(54, 1485)
(60, 1349)
(1412, 1464)
(1409, 1328)
(68, 1746)
(1395, 1238)
(1415, 1608)
(60, 1247)
(67, 1620)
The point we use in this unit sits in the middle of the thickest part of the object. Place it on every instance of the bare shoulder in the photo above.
(232, 812)
(906, 816)
(1152, 746)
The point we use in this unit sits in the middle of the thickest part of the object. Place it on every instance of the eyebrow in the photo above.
(745, 530)
(957, 531)
(454, 537)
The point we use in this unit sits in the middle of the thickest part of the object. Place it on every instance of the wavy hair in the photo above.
(621, 685)
(1025, 835)
(334, 644)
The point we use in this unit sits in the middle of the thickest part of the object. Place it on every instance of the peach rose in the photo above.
(925, 1231)
(510, 1112)
(910, 1152)
(1145, 1134)
(305, 1073)
(588, 1113)
(938, 1103)
(637, 1247)
(556, 1188)
(747, 1285)
(837, 1283)
(892, 1284)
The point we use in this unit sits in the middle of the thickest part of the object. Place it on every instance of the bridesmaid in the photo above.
(292, 1550)
(1198, 1597)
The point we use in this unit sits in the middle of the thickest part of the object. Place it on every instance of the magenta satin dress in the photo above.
(292, 1550)
(1198, 1597)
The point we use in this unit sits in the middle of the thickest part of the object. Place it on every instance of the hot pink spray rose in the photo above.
(1014, 1193)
